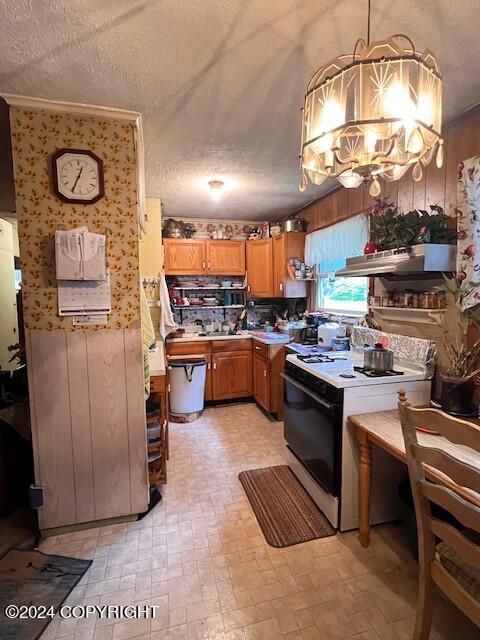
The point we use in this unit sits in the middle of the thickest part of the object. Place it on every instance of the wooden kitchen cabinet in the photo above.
(260, 268)
(261, 381)
(286, 246)
(231, 374)
(229, 365)
(186, 256)
(268, 364)
(226, 257)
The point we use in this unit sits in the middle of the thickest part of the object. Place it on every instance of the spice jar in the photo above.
(434, 300)
(422, 300)
(442, 299)
(397, 299)
(407, 298)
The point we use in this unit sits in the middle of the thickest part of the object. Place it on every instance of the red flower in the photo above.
(461, 234)
(470, 251)
(461, 275)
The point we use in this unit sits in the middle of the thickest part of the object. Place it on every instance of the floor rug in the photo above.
(33, 578)
(284, 510)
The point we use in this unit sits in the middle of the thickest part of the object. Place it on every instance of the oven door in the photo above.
(313, 431)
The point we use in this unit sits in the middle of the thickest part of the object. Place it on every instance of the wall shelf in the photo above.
(208, 306)
(210, 288)
(409, 314)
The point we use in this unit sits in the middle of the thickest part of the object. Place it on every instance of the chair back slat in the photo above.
(465, 512)
(460, 472)
(454, 429)
(459, 543)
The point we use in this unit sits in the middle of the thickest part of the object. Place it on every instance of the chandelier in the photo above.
(372, 114)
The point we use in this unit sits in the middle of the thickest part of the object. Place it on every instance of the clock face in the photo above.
(78, 176)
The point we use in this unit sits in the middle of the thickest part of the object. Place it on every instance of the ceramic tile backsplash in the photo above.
(36, 134)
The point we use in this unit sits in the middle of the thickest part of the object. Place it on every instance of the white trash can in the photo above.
(187, 387)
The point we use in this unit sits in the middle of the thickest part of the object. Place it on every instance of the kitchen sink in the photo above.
(214, 334)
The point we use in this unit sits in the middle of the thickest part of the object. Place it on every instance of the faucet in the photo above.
(201, 324)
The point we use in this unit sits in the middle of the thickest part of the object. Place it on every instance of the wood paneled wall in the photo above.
(438, 186)
(88, 424)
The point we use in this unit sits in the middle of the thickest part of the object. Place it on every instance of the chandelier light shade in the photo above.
(375, 113)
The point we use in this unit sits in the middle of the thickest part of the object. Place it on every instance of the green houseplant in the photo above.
(391, 229)
(463, 353)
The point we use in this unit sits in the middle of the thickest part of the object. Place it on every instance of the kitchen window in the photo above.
(328, 249)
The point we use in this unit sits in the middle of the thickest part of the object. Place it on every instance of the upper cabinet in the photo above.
(226, 257)
(286, 246)
(267, 266)
(184, 257)
(260, 268)
(203, 257)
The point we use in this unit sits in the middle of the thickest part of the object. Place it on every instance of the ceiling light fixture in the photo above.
(216, 187)
(372, 114)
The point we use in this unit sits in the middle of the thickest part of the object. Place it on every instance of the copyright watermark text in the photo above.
(130, 612)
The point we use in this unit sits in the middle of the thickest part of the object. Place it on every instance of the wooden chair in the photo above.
(453, 565)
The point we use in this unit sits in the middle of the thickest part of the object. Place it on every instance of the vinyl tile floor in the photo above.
(201, 558)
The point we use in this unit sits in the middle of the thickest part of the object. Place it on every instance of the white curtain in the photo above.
(329, 248)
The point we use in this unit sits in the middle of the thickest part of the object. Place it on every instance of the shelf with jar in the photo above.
(421, 307)
(207, 293)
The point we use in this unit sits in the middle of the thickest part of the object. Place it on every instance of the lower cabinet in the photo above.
(229, 366)
(231, 374)
(261, 381)
(268, 363)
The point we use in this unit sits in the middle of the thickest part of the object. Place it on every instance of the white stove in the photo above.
(321, 392)
(342, 369)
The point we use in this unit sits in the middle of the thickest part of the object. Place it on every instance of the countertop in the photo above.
(261, 337)
(156, 360)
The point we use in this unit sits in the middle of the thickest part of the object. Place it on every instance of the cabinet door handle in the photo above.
(281, 286)
(203, 264)
(264, 373)
(209, 366)
(208, 264)
(257, 348)
(249, 287)
(214, 365)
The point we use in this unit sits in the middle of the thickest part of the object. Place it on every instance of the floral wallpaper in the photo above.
(468, 231)
(36, 134)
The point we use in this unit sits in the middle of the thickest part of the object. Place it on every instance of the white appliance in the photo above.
(326, 333)
(187, 384)
(321, 391)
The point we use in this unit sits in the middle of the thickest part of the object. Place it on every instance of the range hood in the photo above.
(417, 259)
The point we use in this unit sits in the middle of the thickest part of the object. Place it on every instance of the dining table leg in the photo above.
(365, 487)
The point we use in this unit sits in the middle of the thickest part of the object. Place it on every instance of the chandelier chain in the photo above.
(368, 23)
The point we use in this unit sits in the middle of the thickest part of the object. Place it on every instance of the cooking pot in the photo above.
(294, 224)
(378, 358)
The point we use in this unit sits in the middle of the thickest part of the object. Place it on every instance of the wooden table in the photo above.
(383, 428)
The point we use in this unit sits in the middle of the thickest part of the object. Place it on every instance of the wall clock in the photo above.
(77, 176)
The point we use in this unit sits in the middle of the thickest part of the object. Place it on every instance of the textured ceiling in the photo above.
(220, 82)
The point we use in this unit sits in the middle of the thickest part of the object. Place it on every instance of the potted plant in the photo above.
(463, 352)
(390, 229)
